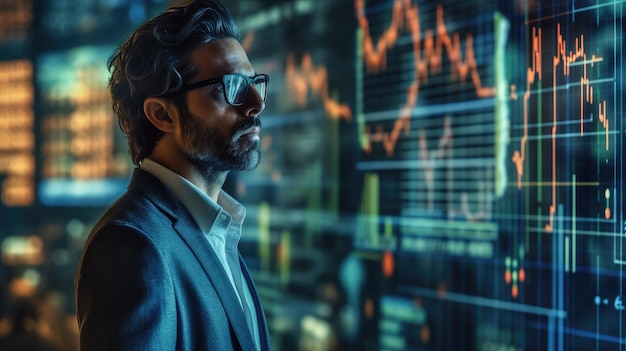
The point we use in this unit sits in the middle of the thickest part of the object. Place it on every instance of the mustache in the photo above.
(247, 126)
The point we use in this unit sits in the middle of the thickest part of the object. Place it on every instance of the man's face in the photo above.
(217, 136)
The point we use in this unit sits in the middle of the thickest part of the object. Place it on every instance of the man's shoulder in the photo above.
(136, 211)
(146, 209)
(132, 221)
(146, 200)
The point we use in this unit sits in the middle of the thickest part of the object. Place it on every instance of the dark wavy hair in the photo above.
(154, 62)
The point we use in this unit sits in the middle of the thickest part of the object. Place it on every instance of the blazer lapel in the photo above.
(214, 270)
(263, 331)
(189, 231)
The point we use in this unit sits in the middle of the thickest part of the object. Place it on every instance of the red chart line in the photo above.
(565, 58)
(428, 52)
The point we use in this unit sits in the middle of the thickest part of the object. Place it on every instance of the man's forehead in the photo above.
(219, 57)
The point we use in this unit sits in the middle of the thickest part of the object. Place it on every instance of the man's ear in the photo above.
(157, 111)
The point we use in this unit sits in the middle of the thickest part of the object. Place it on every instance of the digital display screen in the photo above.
(84, 155)
(16, 19)
(17, 137)
(470, 152)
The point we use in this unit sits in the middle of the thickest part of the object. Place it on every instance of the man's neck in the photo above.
(210, 182)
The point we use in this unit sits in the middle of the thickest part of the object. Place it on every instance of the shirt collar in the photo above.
(201, 207)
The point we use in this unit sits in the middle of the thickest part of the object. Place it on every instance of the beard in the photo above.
(212, 153)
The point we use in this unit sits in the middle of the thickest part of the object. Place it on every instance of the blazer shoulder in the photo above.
(146, 203)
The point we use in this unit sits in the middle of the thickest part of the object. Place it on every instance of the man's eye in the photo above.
(215, 90)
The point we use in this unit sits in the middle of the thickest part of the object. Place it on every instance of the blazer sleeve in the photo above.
(124, 293)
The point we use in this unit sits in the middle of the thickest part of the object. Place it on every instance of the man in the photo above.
(161, 270)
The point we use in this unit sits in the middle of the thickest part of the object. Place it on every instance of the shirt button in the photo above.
(223, 217)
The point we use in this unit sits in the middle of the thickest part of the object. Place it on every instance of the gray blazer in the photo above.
(149, 280)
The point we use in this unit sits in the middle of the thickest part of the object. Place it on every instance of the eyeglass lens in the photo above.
(236, 87)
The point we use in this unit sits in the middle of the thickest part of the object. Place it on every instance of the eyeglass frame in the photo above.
(220, 80)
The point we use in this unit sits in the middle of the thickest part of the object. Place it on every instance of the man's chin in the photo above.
(242, 160)
(253, 160)
(238, 160)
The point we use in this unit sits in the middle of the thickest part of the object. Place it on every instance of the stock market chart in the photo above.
(479, 167)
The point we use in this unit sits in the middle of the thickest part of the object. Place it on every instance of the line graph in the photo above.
(446, 149)
(306, 77)
(428, 53)
(533, 72)
(562, 62)
(485, 162)
(566, 59)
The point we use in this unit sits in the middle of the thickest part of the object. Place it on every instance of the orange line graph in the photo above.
(534, 71)
(308, 77)
(305, 77)
(604, 121)
(566, 59)
(428, 58)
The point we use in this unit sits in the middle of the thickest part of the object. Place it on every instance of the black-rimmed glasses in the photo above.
(235, 86)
